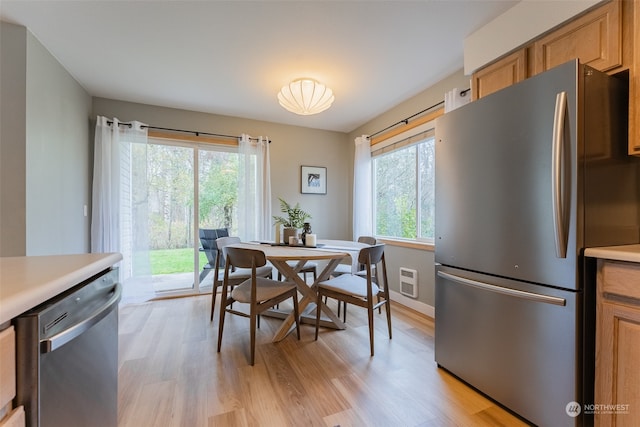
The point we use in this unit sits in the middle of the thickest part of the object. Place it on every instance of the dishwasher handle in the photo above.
(56, 341)
(505, 291)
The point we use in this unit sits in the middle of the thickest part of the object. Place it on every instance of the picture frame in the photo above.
(313, 180)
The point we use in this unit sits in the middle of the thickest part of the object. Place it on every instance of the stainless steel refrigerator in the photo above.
(526, 178)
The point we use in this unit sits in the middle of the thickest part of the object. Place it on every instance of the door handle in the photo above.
(531, 296)
(58, 340)
(557, 173)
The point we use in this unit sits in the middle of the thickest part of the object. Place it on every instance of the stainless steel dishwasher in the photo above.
(67, 356)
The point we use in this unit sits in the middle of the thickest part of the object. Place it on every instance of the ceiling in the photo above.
(232, 57)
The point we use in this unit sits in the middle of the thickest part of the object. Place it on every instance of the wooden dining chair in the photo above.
(357, 290)
(259, 292)
(236, 275)
(347, 269)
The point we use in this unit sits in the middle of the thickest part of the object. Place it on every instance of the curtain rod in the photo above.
(196, 133)
(406, 121)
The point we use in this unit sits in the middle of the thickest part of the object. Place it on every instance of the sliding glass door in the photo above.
(177, 172)
(171, 212)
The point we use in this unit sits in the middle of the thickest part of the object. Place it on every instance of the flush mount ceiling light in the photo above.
(305, 97)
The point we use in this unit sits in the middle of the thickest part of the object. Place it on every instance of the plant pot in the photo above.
(289, 232)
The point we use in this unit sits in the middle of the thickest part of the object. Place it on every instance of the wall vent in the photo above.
(408, 282)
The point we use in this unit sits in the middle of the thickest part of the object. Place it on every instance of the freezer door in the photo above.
(507, 180)
(515, 342)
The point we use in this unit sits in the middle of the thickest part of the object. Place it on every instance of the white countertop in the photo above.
(28, 281)
(630, 253)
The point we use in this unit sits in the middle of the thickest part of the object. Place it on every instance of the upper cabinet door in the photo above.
(634, 86)
(595, 39)
(503, 73)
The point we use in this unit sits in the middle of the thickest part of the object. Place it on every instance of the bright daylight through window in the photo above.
(178, 174)
(403, 185)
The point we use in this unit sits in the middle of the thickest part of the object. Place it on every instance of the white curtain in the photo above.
(119, 202)
(455, 98)
(254, 189)
(362, 197)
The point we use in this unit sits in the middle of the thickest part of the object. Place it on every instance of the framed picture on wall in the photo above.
(313, 180)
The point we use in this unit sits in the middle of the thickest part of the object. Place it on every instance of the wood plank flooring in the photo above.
(171, 375)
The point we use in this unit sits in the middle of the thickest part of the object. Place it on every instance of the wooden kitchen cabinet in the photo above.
(14, 419)
(633, 36)
(618, 344)
(7, 366)
(595, 38)
(9, 417)
(606, 38)
(503, 73)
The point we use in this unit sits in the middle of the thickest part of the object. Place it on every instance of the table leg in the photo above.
(308, 295)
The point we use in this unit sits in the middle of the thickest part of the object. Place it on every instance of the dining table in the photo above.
(289, 260)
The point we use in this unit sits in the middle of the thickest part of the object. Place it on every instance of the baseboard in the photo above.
(413, 304)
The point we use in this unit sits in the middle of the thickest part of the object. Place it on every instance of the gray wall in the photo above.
(45, 151)
(13, 65)
(419, 259)
(291, 147)
(58, 157)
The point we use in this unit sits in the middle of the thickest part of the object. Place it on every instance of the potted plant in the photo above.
(292, 221)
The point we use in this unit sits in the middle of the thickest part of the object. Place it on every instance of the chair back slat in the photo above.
(223, 242)
(372, 254)
(221, 256)
(245, 258)
(367, 240)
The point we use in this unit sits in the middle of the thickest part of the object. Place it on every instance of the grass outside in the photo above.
(168, 261)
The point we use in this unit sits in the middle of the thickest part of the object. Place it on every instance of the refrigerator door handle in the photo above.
(505, 291)
(557, 173)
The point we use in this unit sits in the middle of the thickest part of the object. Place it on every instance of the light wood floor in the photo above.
(171, 375)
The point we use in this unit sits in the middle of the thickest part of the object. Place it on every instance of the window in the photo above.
(403, 185)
